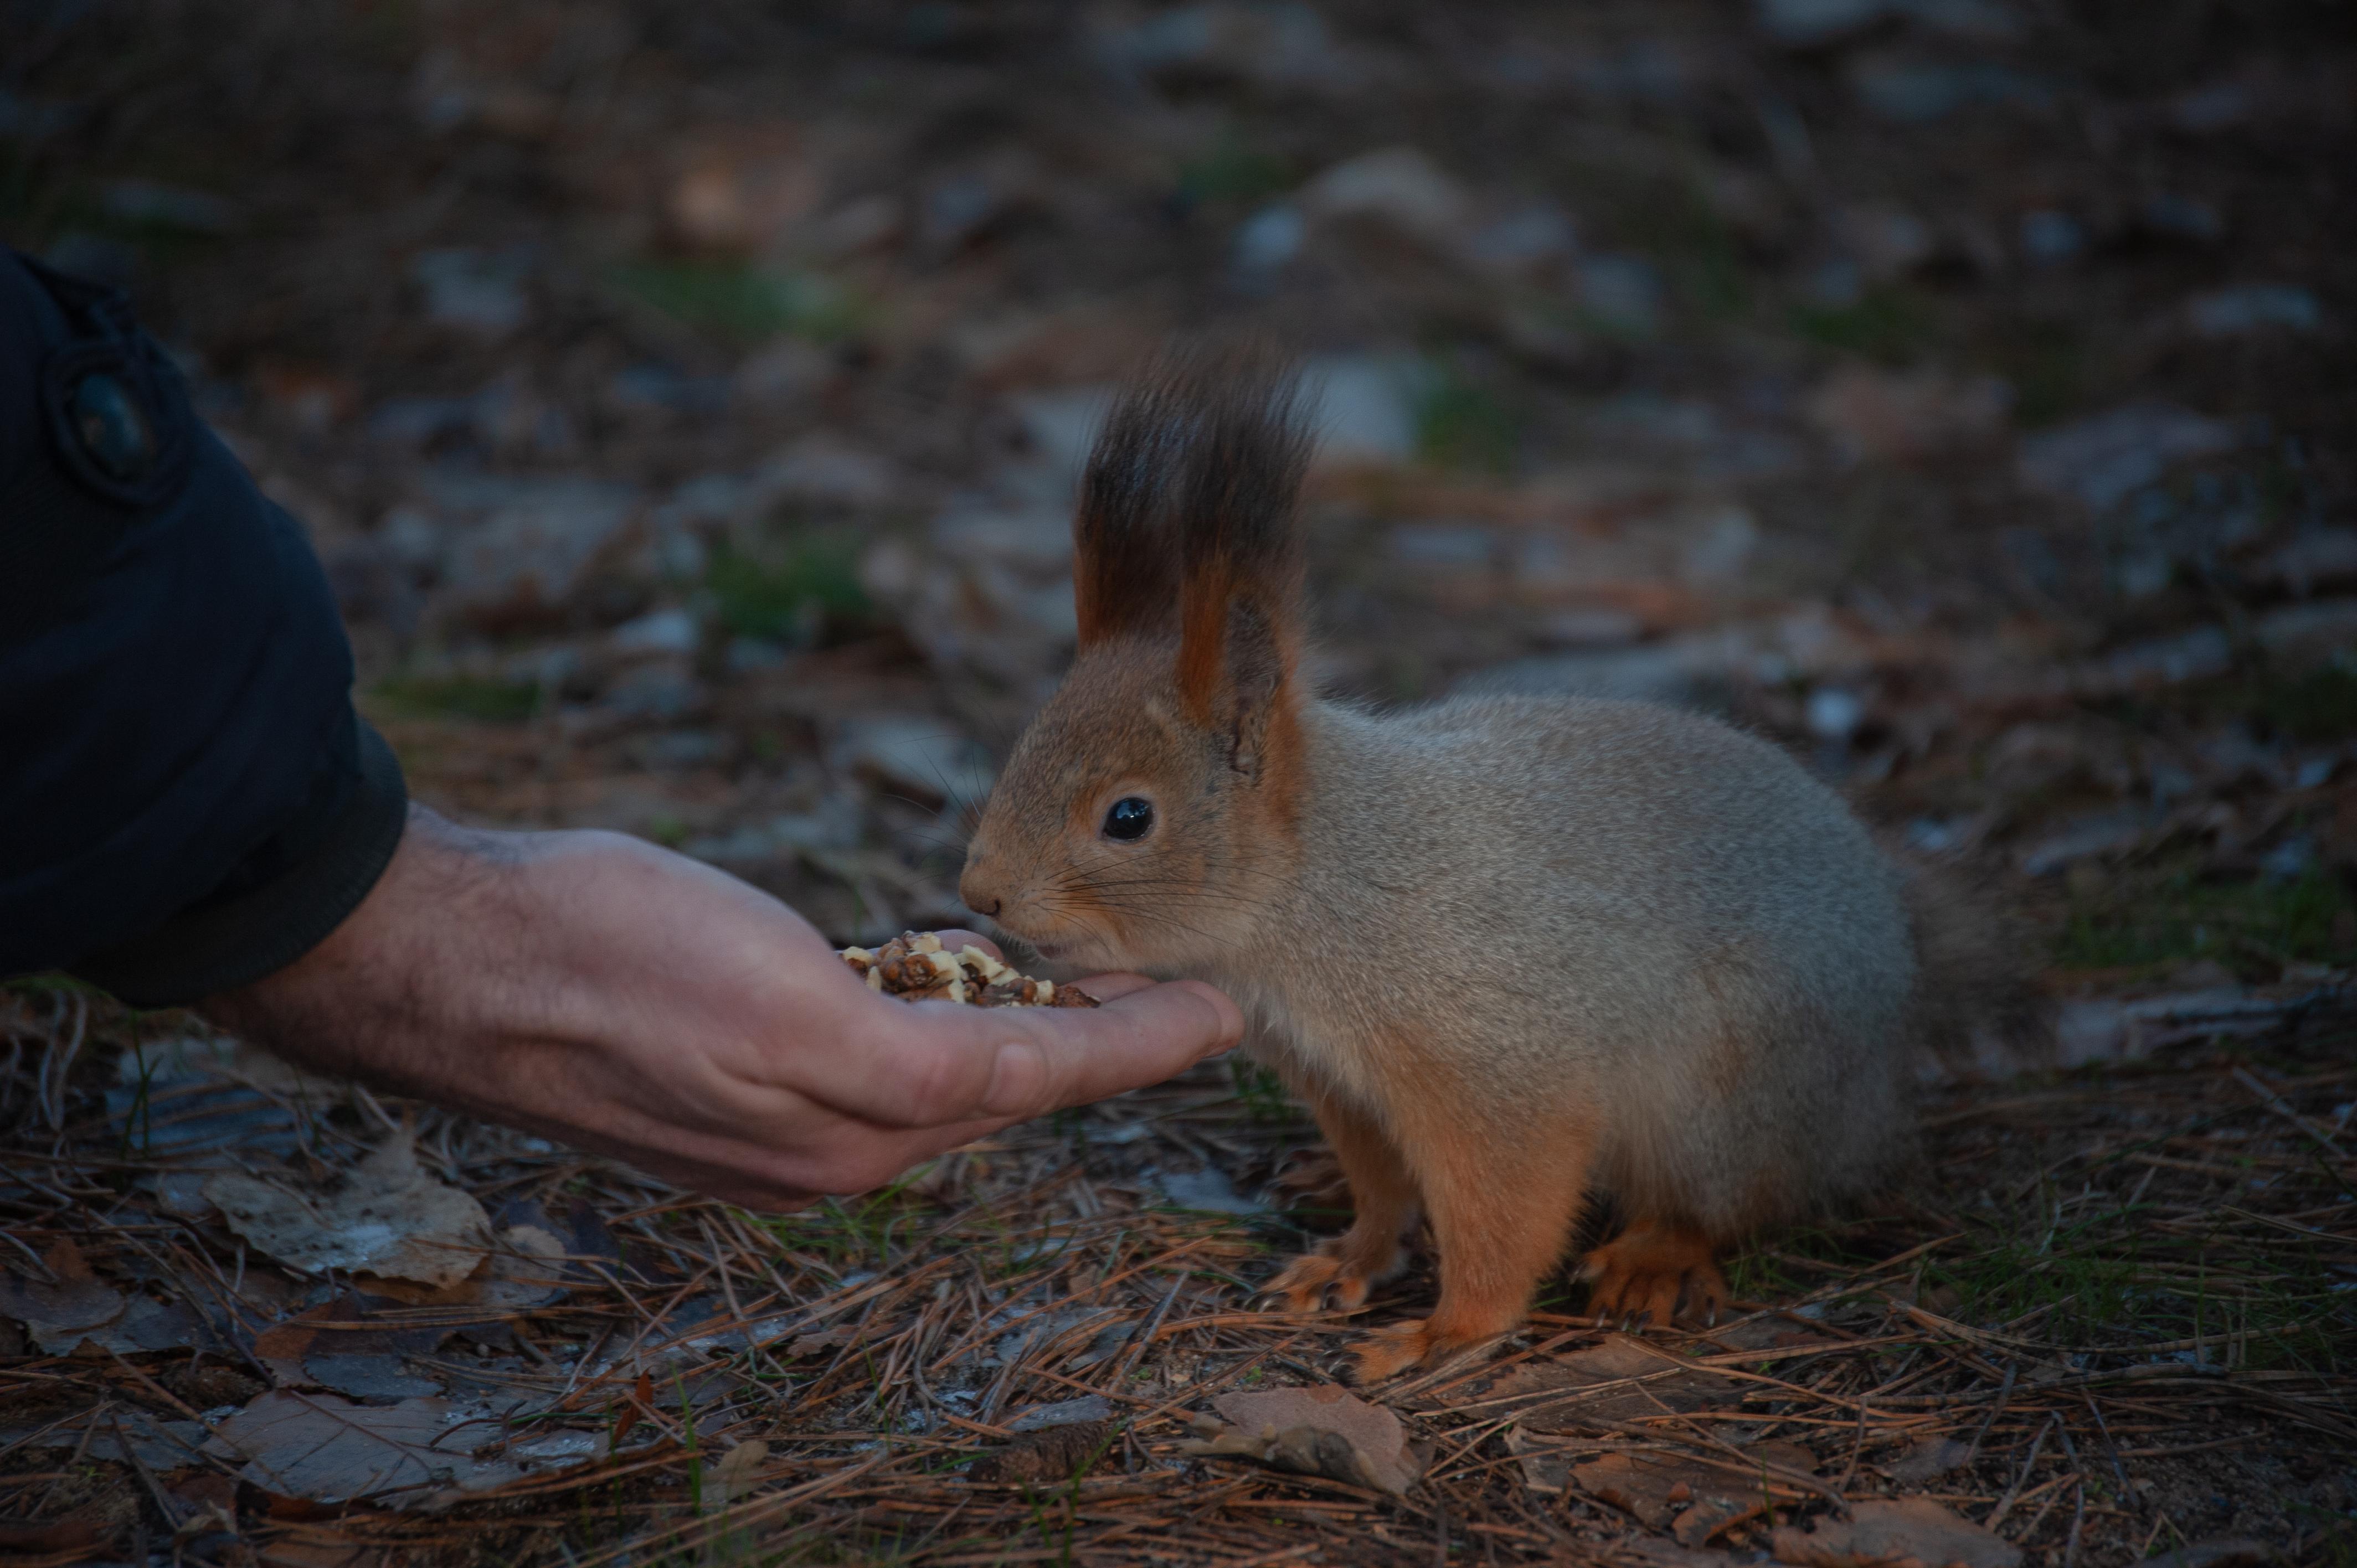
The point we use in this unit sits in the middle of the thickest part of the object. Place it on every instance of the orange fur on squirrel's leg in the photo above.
(1383, 1202)
(1651, 1271)
(1501, 1216)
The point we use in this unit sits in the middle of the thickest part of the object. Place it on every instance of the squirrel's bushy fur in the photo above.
(1512, 951)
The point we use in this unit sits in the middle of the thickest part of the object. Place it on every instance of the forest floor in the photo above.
(685, 402)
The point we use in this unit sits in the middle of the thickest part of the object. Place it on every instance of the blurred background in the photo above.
(685, 399)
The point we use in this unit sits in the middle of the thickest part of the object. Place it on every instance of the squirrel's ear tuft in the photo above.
(1125, 540)
(1240, 592)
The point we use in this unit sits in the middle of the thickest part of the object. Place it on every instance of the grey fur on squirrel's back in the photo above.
(1669, 913)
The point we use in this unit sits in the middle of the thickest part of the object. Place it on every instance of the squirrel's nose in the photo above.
(976, 893)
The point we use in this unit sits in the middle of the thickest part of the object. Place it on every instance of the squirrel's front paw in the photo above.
(1654, 1274)
(1323, 1278)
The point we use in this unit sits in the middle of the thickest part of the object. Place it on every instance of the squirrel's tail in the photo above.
(1975, 1009)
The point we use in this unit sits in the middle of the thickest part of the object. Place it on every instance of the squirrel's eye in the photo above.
(1129, 819)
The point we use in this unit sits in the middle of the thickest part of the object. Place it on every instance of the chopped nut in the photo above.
(915, 967)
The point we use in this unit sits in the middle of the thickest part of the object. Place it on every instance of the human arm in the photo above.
(602, 991)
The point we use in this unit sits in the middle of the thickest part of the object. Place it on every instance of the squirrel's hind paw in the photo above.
(1657, 1275)
(1396, 1347)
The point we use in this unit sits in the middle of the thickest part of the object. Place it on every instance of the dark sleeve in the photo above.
(187, 800)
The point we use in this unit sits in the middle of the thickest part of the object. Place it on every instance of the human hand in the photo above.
(596, 989)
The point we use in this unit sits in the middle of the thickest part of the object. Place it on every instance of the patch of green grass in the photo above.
(853, 1232)
(1231, 171)
(2046, 364)
(2102, 1278)
(2181, 916)
(740, 303)
(794, 593)
(1887, 325)
(2310, 707)
(1462, 425)
(1775, 1267)
(2316, 706)
(482, 698)
(1262, 1092)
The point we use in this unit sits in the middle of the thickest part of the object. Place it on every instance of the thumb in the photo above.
(1073, 1055)
(938, 1063)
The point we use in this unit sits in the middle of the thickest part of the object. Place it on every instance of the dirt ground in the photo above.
(685, 402)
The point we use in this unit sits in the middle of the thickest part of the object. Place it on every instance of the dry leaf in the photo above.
(1909, 1532)
(59, 1317)
(83, 1529)
(389, 1218)
(1316, 1432)
(2218, 1551)
(734, 1476)
(1063, 1413)
(1689, 1496)
(1059, 1453)
(1629, 1380)
(328, 1450)
(1931, 1458)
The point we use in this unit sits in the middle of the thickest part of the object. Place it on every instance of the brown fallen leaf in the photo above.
(306, 1351)
(1058, 1454)
(2218, 1551)
(641, 1400)
(388, 1218)
(1923, 1461)
(1620, 1381)
(1904, 1532)
(734, 1474)
(1322, 1431)
(324, 1449)
(1693, 1498)
(83, 1529)
(60, 1316)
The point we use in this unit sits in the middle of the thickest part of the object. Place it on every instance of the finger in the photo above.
(1078, 1056)
(1111, 987)
(938, 1063)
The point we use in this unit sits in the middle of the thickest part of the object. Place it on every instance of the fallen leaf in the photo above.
(525, 1270)
(1063, 1413)
(159, 1445)
(2218, 1551)
(300, 1551)
(1059, 1453)
(328, 1343)
(1546, 1463)
(80, 1531)
(1315, 1432)
(1692, 1497)
(1620, 1381)
(734, 1476)
(1924, 1461)
(328, 1450)
(1903, 416)
(60, 1316)
(389, 1218)
(1906, 1533)
(368, 1376)
(824, 1342)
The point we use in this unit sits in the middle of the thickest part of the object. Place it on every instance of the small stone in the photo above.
(1398, 186)
(2255, 309)
(1270, 237)
(475, 291)
(2049, 238)
(2102, 459)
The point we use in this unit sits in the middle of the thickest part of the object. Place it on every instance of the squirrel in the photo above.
(1517, 954)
